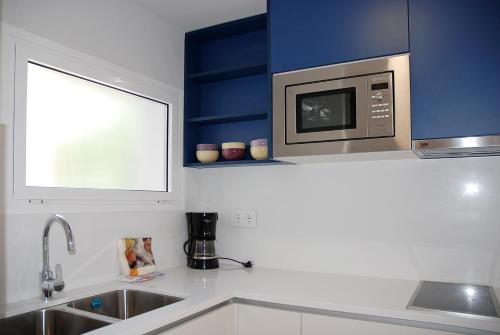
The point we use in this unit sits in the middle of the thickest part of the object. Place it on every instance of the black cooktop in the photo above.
(458, 298)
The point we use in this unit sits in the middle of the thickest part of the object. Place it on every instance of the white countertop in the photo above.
(202, 289)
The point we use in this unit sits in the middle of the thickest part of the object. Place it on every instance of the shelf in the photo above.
(225, 118)
(241, 26)
(228, 73)
(245, 162)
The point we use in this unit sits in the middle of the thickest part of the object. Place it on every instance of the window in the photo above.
(80, 137)
(81, 134)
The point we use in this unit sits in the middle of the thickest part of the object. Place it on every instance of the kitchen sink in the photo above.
(49, 322)
(123, 304)
(80, 316)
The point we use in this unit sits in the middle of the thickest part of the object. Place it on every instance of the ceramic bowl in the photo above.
(233, 151)
(233, 145)
(261, 142)
(207, 147)
(207, 156)
(259, 153)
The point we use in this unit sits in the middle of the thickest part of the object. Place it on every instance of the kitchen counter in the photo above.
(201, 290)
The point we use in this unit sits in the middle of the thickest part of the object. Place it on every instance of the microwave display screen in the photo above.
(380, 86)
(326, 110)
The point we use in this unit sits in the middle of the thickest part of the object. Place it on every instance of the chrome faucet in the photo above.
(48, 282)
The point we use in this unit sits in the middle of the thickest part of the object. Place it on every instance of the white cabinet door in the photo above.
(313, 324)
(221, 321)
(253, 320)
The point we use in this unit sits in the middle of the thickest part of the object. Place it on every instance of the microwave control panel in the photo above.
(380, 105)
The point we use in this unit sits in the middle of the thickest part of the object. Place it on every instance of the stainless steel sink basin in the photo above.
(85, 314)
(49, 322)
(123, 304)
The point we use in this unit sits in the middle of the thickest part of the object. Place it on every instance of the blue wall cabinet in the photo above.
(320, 32)
(455, 68)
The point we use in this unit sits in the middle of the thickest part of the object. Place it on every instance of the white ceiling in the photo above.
(194, 14)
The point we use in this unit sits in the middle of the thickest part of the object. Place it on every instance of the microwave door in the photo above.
(326, 111)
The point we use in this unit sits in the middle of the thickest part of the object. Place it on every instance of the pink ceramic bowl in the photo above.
(233, 154)
(233, 151)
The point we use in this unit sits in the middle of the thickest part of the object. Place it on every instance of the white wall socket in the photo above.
(246, 219)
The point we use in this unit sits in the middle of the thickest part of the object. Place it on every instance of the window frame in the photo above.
(99, 73)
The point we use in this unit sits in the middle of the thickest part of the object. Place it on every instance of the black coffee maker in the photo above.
(200, 246)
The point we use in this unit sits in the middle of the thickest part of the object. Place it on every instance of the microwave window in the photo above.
(326, 110)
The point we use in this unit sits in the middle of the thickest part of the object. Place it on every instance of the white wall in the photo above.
(414, 219)
(3, 242)
(117, 31)
(122, 34)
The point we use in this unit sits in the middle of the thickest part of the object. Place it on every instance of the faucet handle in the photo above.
(58, 283)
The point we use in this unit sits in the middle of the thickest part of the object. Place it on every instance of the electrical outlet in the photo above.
(246, 219)
(250, 219)
(236, 219)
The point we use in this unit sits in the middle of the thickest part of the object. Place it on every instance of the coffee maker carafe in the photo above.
(200, 246)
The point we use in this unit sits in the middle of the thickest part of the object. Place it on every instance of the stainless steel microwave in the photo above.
(361, 106)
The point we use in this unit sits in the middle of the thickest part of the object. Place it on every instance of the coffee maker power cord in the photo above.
(245, 264)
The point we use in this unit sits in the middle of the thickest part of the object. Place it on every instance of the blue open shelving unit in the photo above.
(227, 88)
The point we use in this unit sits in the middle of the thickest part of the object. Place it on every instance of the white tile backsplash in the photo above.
(96, 236)
(414, 219)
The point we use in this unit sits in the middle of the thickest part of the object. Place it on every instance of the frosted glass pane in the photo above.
(81, 134)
